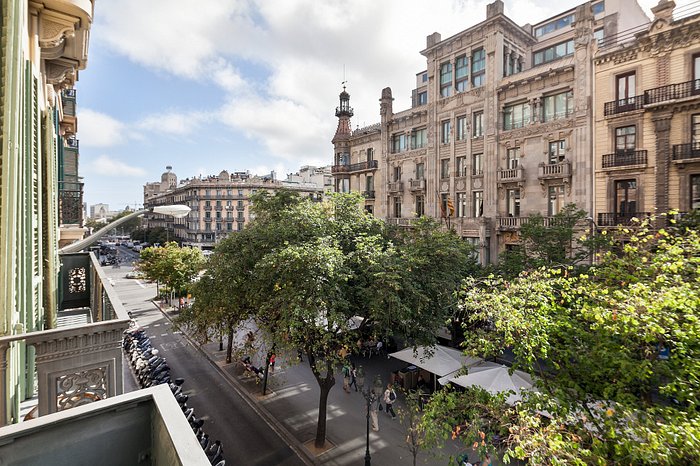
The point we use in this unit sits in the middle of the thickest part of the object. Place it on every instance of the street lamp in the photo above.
(177, 211)
(371, 395)
(594, 231)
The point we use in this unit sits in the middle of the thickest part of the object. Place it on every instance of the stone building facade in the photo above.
(501, 126)
(648, 119)
(220, 204)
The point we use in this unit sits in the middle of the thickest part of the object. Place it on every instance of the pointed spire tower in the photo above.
(341, 143)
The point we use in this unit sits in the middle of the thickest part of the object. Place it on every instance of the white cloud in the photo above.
(279, 63)
(173, 123)
(99, 130)
(107, 166)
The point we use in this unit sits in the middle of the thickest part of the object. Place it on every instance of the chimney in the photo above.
(664, 10)
(433, 39)
(495, 8)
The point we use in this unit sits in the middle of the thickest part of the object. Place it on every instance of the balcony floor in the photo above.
(72, 317)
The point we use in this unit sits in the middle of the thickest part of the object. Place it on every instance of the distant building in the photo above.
(220, 204)
(500, 127)
(647, 119)
(309, 175)
(99, 211)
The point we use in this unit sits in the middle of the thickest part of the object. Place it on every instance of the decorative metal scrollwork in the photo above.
(77, 280)
(81, 388)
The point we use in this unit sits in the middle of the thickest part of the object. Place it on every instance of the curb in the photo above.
(264, 414)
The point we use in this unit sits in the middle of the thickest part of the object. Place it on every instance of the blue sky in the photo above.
(250, 85)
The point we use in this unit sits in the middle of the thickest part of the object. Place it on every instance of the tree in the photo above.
(313, 272)
(124, 229)
(549, 241)
(410, 417)
(155, 235)
(171, 265)
(616, 350)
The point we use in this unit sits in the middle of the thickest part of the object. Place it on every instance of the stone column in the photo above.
(662, 129)
(3, 384)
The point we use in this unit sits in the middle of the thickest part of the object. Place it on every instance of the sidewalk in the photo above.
(293, 398)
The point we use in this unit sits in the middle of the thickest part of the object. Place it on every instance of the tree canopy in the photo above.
(171, 265)
(616, 349)
(314, 276)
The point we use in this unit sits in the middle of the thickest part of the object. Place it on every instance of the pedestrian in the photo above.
(353, 377)
(299, 355)
(346, 377)
(272, 362)
(374, 415)
(487, 460)
(389, 398)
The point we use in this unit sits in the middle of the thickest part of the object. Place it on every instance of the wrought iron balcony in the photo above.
(219, 207)
(625, 158)
(416, 185)
(611, 219)
(207, 207)
(240, 208)
(355, 167)
(549, 171)
(689, 151)
(368, 194)
(80, 361)
(514, 223)
(402, 222)
(672, 92)
(623, 105)
(395, 187)
(510, 175)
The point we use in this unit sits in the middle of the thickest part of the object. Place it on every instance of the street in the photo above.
(245, 436)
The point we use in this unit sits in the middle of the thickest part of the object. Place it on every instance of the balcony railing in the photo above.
(554, 170)
(625, 158)
(395, 187)
(611, 219)
(653, 96)
(514, 223)
(416, 185)
(240, 208)
(355, 167)
(688, 151)
(672, 92)
(623, 105)
(368, 194)
(511, 174)
(79, 362)
(402, 222)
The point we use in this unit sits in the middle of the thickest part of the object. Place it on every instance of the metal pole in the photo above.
(368, 458)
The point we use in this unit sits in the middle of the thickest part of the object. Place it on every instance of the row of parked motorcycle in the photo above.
(152, 369)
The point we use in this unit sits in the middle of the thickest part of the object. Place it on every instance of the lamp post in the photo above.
(371, 394)
(594, 231)
(177, 211)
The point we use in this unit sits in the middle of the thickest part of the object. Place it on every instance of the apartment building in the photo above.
(500, 127)
(647, 118)
(220, 204)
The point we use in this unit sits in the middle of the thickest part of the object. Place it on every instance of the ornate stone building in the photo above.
(647, 118)
(220, 204)
(501, 126)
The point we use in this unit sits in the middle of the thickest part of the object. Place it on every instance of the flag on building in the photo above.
(450, 207)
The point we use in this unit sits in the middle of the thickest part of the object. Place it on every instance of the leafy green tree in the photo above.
(616, 349)
(155, 235)
(563, 239)
(313, 274)
(171, 265)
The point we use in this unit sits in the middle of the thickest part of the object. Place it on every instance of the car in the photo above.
(135, 274)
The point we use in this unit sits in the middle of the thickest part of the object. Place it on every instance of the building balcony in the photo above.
(401, 222)
(395, 187)
(551, 171)
(79, 361)
(623, 106)
(511, 175)
(207, 207)
(355, 167)
(416, 185)
(368, 194)
(240, 208)
(672, 92)
(219, 207)
(612, 219)
(515, 223)
(625, 159)
(689, 152)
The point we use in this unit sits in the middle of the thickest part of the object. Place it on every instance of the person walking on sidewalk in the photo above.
(353, 376)
(346, 377)
(389, 398)
(374, 415)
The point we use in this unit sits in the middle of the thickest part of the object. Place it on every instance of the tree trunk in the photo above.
(325, 384)
(229, 346)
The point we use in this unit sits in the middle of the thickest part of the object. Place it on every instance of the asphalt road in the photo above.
(246, 438)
